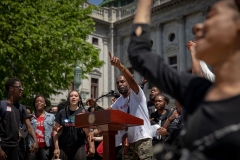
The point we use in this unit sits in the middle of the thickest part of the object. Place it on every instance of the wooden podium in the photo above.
(109, 122)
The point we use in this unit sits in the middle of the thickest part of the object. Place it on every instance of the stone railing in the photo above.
(113, 14)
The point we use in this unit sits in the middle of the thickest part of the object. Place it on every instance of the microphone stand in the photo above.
(95, 102)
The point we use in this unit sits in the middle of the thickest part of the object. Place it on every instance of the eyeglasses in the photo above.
(19, 87)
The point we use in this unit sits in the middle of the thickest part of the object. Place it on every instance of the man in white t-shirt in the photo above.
(133, 101)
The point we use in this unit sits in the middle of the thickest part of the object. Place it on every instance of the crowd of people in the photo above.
(203, 124)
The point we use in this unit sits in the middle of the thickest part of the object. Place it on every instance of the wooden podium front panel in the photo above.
(108, 121)
(107, 117)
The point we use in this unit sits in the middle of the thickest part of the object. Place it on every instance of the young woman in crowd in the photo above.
(70, 144)
(160, 116)
(212, 109)
(42, 123)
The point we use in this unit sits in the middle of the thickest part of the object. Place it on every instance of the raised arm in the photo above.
(199, 67)
(196, 67)
(143, 12)
(144, 81)
(206, 72)
(152, 66)
(125, 72)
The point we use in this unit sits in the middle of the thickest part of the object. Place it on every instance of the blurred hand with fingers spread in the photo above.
(144, 81)
(113, 100)
(173, 116)
(90, 102)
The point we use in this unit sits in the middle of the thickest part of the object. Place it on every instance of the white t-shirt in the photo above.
(138, 108)
(206, 72)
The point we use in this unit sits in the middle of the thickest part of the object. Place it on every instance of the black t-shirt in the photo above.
(151, 107)
(70, 137)
(161, 118)
(10, 125)
(203, 118)
(210, 117)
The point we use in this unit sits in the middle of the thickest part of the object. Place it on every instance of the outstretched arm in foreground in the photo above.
(196, 67)
(152, 66)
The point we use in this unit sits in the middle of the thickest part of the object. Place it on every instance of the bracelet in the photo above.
(122, 69)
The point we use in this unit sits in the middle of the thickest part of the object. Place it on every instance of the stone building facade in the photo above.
(171, 24)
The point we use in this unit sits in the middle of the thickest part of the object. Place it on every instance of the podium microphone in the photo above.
(112, 93)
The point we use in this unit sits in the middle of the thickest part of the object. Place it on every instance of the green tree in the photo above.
(41, 41)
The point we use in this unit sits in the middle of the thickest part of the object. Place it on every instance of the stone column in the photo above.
(159, 41)
(119, 52)
(105, 72)
(105, 11)
(182, 44)
(111, 77)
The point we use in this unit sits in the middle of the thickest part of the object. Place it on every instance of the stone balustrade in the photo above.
(113, 14)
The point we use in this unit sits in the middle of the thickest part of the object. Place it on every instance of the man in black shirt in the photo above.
(160, 116)
(10, 122)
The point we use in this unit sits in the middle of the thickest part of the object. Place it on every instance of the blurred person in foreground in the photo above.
(208, 135)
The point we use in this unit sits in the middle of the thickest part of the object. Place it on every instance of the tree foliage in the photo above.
(41, 41)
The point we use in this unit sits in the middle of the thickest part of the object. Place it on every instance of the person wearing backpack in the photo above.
(12, 113)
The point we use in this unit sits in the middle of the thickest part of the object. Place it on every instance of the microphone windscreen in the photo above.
(116, 95)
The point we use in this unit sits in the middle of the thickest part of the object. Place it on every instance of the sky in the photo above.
(95, 2)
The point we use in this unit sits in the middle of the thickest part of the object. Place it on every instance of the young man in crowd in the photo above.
(153, 93)
(12, 113)
(133, 101)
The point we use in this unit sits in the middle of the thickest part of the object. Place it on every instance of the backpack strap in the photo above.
(3, 109)
(21, 115)
(20, 110)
